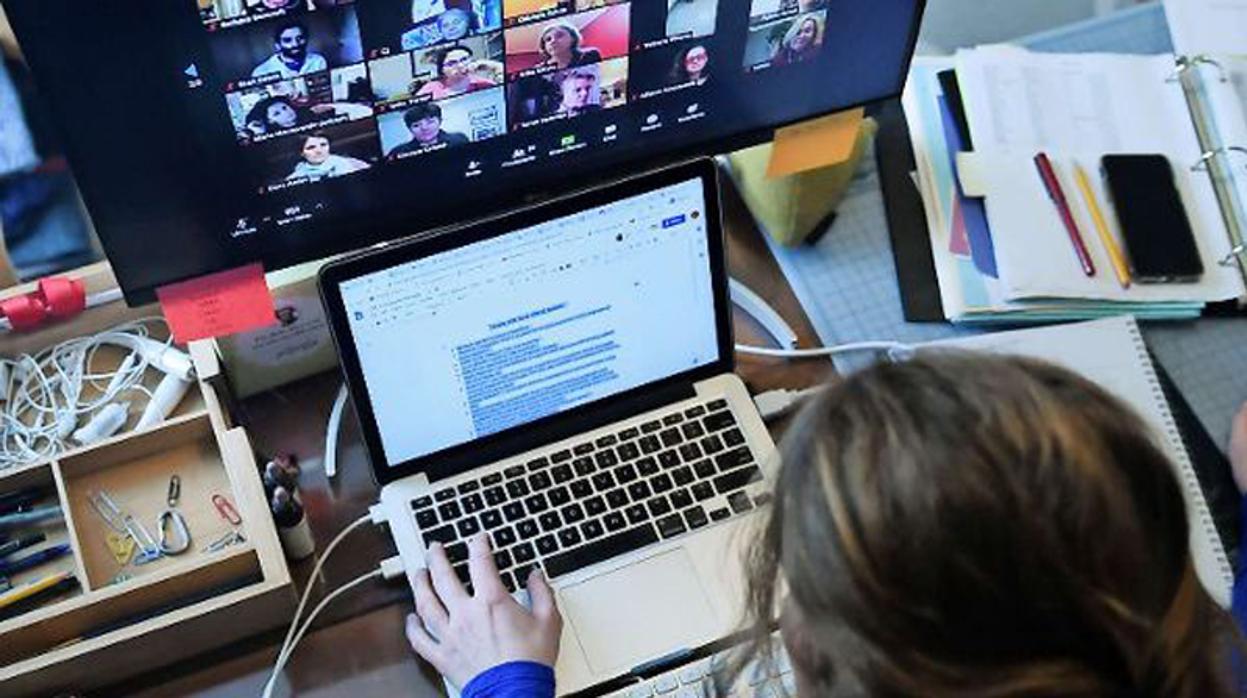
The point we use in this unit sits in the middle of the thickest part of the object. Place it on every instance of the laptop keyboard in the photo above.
(600, 499)
(693, 680)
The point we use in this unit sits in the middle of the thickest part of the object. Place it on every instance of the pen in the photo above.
(60, 585)
(1101, 226)
(32, 517)
(1053, 185)
(9, 547)
(8, 569)
(28, 590)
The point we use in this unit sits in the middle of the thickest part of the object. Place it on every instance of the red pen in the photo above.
(1053, 185)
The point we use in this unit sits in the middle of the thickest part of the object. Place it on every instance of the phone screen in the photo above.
(1154, 224)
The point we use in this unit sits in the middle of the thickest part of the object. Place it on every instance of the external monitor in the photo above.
(207, 134)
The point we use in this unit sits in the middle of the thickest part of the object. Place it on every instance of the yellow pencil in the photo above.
(28, 590)
(1101, 226)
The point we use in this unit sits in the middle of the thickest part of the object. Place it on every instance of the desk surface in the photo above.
(360, 648)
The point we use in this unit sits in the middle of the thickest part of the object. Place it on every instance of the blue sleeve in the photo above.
(512, 680)
(1239, 606)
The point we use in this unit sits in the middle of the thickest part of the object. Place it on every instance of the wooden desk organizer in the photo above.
(175, 607)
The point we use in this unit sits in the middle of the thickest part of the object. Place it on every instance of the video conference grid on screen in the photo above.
(322, 89)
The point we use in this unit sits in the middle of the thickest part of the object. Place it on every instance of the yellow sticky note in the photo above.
(813, 144)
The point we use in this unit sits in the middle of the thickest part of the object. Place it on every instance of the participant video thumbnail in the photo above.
(766, 11)
(446, 71)
(302, 104)
(568, 41)
(785, 42)
(586, 89)
(430, 126)
(287, 47)
(390, 26)
(671, 68)
(691, 19)
(520, 11)
(328, 153)
(240, 11)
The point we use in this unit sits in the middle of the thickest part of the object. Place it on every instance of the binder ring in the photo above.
(1237, 256)
(1186, 63)
(1207, 157)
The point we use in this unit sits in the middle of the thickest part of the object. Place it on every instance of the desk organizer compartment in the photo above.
(128, 619)
(43, 477)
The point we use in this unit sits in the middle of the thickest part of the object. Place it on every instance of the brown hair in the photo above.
(971, 525)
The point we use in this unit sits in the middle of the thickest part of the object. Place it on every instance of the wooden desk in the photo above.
(360, 648)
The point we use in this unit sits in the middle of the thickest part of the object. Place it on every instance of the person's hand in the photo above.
(463, 636)
(1238, 449)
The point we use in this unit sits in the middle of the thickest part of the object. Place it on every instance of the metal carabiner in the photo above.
(175, 537)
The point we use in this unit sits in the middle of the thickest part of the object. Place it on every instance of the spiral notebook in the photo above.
(1112, 353)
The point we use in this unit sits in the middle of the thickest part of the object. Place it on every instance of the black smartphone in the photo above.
(1160, 245)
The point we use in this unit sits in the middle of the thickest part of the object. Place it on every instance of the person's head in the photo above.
(559, 41)
(454, 24)
(580, 88)
(965, 524)
(691, 63)
(279, 4)
(273, 114)
(805, 34)
(315, 149)
(290, 41)
(454, 63)
(424, 121)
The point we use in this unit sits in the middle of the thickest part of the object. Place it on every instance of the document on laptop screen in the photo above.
(503, 332)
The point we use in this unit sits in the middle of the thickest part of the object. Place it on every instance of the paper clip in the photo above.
(226, 510)
(175, 490)
(122, 522)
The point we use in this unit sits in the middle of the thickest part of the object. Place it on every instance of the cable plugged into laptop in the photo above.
(774, 404)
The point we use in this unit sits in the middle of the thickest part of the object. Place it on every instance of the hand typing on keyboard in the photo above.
(464, 635)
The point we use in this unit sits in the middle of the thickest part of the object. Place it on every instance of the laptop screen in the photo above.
(503, 332)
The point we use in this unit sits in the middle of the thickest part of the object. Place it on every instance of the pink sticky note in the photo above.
(216, 305)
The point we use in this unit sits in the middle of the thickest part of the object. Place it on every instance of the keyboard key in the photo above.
(449, 511)
(647, 466)
(492, 479)
(704, 469)
(606, 459)
(524, 553)
(733, 437)
(583, 449)
(692, 430)
(495, 496)
(527, 529)
(445, 495)
(457, 552)
(443, 535)
(695, 412)
(671, 526)
(540, 481)
(491, 519)
(615, 521)
(546, 545)
(517, 489)
(550, 521)
(538, 464)
(536, 504)
(502, 560)
(562, 474)
(683, 476)
(661, 483)
(695, 518)
(737, 479)
(508, 582)
(504, 537)
(716, 405)
(739, 501)
(513, 511)
(690, 452)
(558, 496)
(703, 491)
(470, 486)
(426, 519)
(421, 503)
(592, 529)
(720, 514)
(681, 499)
(561, 456)
(673, 418)
(671, 437)
(595, 506)
(712, 444)
(719, 421)
(627, 452)
(659, 506)
(604, 549)
(651, 427)
(625, 474)
(640, 491)
(629, 434)
(606, 441)
(514, 471)
(636, 513)
(733, 459)
(573, 513)
(584, 467)
(617, 498)
(468, 527)
(650, 444)
(669, 459)
(472, 503)
(581, 489)
(569, 537)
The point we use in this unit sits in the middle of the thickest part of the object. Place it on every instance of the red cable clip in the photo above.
(56, 297)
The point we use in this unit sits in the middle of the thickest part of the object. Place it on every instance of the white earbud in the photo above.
(164, 400)
(104, 424)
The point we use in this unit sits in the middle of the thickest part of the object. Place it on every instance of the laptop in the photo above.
(562, 377)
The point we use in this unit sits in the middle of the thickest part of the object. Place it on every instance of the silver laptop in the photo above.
(562, 377)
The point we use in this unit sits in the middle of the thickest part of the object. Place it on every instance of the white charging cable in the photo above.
(331, 432)
(776, 403)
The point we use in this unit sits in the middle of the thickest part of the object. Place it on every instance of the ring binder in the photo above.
(1186, 63)
(1202, 164)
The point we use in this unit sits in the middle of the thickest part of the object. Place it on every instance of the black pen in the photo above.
(9, 547)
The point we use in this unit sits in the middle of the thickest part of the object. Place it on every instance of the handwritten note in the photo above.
(218, 304)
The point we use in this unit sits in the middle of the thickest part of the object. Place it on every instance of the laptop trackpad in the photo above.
(640, 612)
